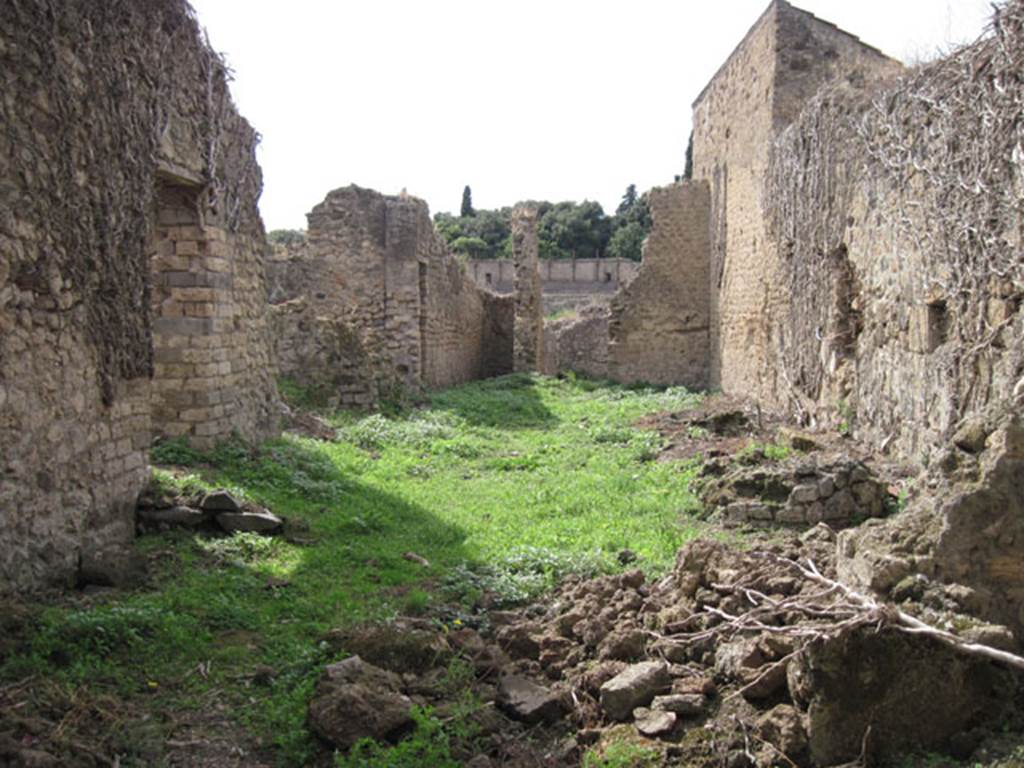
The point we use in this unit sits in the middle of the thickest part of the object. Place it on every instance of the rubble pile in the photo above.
(736, 658)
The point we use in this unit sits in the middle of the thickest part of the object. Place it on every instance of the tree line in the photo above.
(565, 230)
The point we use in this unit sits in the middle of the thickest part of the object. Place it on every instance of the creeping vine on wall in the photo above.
(89, 89)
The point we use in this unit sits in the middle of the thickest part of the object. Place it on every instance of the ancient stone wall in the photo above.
(658, 328)
(899, 216)
(372, 303)
(528, 332)
(787, 55)
(95, 113)
(578, 343)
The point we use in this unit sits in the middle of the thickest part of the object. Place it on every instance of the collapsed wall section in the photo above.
(658, 326)
(373, 304)
(94, 112)
(578, 343)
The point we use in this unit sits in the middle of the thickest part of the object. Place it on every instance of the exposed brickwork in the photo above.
(528, 339)
(658, 330)
(83, 324)
(212, 373)
(787, 55)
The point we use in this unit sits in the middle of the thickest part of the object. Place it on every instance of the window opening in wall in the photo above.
(607, 277)
(938, 324)
(487, 278)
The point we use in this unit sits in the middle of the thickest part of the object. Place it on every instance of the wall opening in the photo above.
(938, 324)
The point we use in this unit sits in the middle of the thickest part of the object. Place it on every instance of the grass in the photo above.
(504, 486)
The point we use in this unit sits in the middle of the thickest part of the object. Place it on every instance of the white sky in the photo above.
(520, 99)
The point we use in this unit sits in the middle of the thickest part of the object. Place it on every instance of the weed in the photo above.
(622, 754)
(239, 548)
(416, 602)
(430, 744)
(846, 417)
(175, 452)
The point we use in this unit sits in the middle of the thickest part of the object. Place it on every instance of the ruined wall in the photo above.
(212, 375)
(578, 343)
(658, 328)
(372, 303)
(786, 56)
(94, 111)
(904, 255)
(528, 331)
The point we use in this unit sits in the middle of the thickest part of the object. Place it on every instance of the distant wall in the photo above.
(373, 303)
(658, 328)
(567, 284)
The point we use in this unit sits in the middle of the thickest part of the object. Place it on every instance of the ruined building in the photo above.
(372, 304)
(131, 278)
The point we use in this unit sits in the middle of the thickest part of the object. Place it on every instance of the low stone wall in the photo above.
(372, 304)
(658, 329)
(578, 344)
(797, 492)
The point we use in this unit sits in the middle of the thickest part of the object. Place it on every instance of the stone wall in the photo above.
(212, 376)
(567, 284)
(372, 304)
(95, 114)
(658, 328)
(528, 332)
(901, 248)
(786, 56)
(578, 343)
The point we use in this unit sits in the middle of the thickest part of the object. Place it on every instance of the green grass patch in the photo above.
(504, 486)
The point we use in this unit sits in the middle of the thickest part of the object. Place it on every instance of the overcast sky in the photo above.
(520, 99)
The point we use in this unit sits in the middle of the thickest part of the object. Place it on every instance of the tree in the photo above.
(286, 236)
(628, 201)
(470, 247)
(627, 241)
(467, 203)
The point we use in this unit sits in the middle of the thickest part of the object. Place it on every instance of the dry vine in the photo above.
(941, 155)
(89, 90)
(827, 614)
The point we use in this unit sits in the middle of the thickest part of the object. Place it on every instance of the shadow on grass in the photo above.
(507, 402)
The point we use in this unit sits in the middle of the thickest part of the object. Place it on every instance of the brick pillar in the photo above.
(528, 333)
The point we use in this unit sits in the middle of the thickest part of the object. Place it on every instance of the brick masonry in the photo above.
(658, 329)
(81, 332)
(528, 337)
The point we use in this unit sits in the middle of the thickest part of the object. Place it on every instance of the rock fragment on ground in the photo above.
(653, 723)
(355, 700)
(250, 522)
(635, 686)
(525, 700)
(220, 501)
